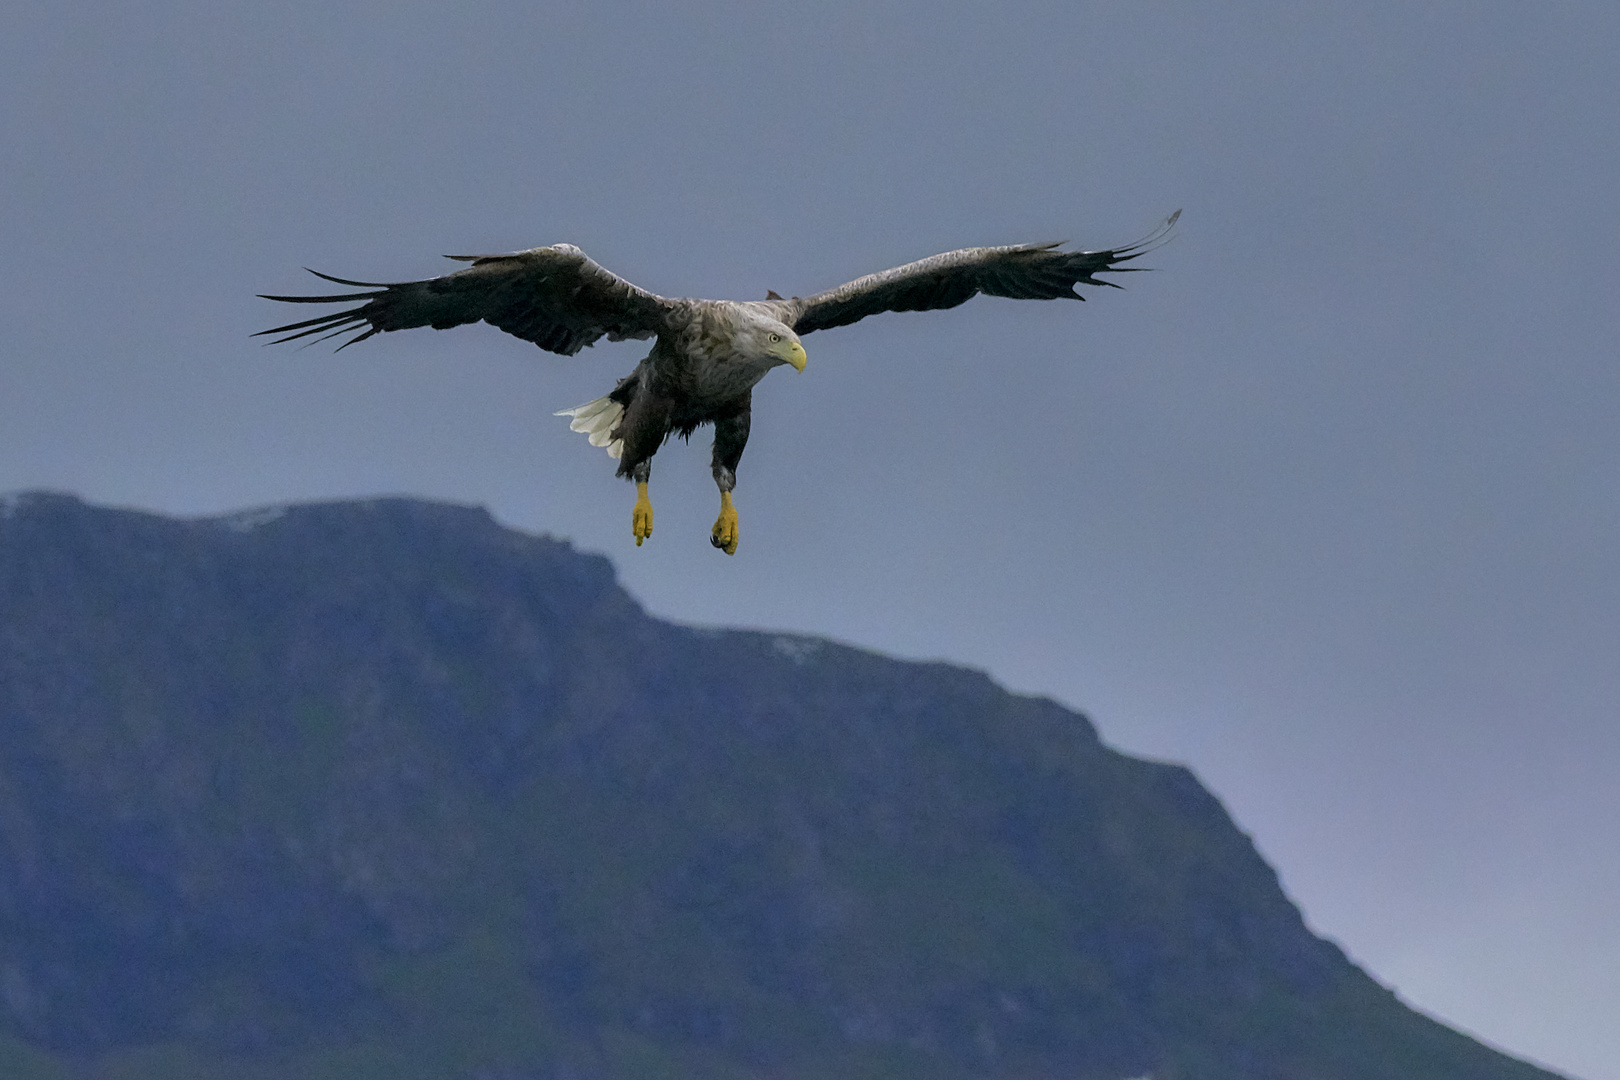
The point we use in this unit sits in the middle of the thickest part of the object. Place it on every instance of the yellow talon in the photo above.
(641, 517)
(724, 536)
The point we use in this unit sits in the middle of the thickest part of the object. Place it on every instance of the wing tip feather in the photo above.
(356, 284)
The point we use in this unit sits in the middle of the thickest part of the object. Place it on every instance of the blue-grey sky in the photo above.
(1328, 508)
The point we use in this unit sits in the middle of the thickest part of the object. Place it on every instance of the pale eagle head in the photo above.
(767, 340)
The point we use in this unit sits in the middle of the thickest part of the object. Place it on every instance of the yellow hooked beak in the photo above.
(796, 356)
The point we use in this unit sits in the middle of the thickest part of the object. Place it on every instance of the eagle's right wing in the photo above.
(556, 297)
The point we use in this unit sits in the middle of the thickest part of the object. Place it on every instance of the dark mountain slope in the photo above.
(382, 789)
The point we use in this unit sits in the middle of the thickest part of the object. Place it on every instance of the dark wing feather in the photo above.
(1023, 272)
(556, 297)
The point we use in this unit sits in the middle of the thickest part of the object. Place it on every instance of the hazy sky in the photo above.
(1328, 508)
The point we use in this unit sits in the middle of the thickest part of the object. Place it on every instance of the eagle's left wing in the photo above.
(557, 297)
(1023, 272)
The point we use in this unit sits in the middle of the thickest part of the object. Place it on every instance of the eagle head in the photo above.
(771, 341)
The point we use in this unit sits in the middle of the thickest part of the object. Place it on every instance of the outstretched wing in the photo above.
(1023, 272)
(556, 297)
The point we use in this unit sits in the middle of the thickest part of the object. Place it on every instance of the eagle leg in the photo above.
(641, 516)
(724, 536)
(730, 436)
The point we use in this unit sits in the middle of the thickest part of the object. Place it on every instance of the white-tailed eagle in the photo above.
(707, 354)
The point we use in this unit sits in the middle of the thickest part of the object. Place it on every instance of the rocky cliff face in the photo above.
(383, 789)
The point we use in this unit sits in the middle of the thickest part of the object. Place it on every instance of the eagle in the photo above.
(707, 355)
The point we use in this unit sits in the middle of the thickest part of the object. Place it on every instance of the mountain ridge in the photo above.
(381, 787)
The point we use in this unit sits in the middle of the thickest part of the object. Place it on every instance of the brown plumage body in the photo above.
(699, 372)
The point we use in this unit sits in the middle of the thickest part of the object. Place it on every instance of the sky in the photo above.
(1327, 507)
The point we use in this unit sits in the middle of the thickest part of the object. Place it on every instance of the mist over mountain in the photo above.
(384, 789)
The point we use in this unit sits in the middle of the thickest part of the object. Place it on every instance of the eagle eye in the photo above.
(775, 338)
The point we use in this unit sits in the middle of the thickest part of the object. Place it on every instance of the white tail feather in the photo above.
(597, 419)
(591, 408)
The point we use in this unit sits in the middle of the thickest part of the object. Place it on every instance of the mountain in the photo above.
(384, 789)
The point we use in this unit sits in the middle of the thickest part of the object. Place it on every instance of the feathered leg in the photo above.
(639, 433)
(730, 436)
